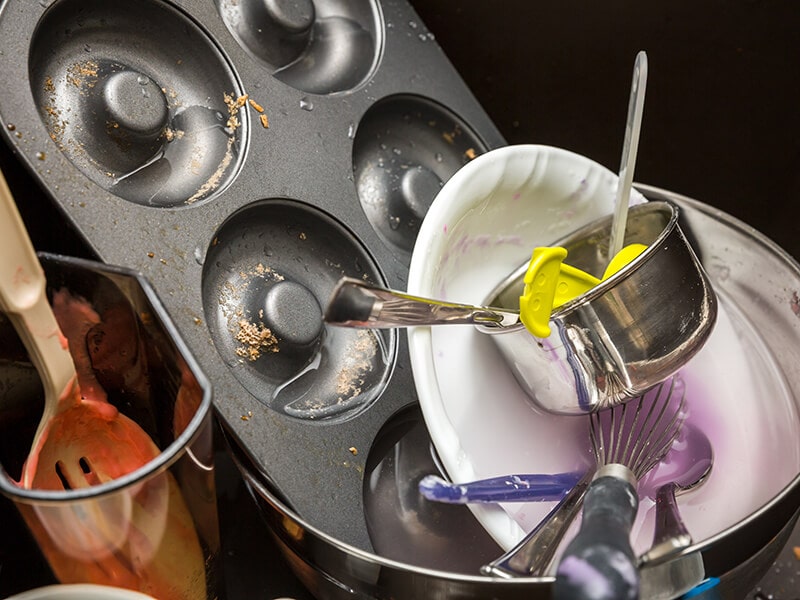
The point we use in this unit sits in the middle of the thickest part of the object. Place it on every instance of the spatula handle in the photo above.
(21, 277)
(23, 297)
(599, 563)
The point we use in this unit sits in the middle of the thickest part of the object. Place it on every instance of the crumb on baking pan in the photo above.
(357, 364)
(255, 339)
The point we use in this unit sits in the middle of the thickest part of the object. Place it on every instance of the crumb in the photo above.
(470, 153)
(233, 104)
(796, 550)
(256, 106)
(163, 261)
(83, 73)
(302, 235)
(173, 134)
(198, 321)
(359, 362)
(215, 178)
(264, 121)
(150, 254)
(255, 340)
(247, 416)
(146, 318)
(353, 450)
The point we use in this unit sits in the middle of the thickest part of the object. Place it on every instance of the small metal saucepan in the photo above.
(621, 337)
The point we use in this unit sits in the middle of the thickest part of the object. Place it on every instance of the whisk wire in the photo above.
(639, 432)
(649, 427)
(668, 434)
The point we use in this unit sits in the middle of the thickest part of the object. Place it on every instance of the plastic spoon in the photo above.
(630, 146)
(78, 424)
(23, 298)
(83, 440)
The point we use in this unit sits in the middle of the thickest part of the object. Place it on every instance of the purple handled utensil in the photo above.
(506, 488)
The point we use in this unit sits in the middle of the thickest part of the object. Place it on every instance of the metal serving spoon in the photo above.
(692, 458)
(355, 303)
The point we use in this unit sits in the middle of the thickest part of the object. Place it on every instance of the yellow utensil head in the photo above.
(549, 283)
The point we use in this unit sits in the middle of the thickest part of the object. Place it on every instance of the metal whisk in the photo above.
(628, 440)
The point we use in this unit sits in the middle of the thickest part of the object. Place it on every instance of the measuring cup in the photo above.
(623, 335)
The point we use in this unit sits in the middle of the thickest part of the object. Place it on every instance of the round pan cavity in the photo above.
(320, 47)
(139, 99)
(404, 150)
(269, 270)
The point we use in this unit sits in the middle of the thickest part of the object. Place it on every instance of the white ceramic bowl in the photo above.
(483, 225)
(80, 591)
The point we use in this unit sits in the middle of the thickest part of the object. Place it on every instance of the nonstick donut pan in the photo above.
(244, 155)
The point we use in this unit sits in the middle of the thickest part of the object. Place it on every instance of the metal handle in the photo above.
(533, 555)
(355, 303)
(633, 126)
(671, 534)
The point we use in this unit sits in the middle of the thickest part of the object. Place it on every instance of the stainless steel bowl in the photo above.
(739, 261)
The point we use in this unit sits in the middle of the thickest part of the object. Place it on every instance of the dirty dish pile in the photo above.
(245, 156)
(481, 228)
(422, 547)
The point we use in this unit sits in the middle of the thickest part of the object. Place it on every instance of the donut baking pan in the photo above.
(244, 155)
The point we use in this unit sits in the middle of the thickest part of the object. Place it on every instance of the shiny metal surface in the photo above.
(356, 303)
(737, 258)
(535, 552)
(623, 336)
(671, 535)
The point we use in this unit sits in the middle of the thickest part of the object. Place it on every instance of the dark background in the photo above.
(721, 120)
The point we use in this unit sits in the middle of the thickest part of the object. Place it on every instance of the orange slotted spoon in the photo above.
(140, 538)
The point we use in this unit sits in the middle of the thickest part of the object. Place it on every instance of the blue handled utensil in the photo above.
(506, 488)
